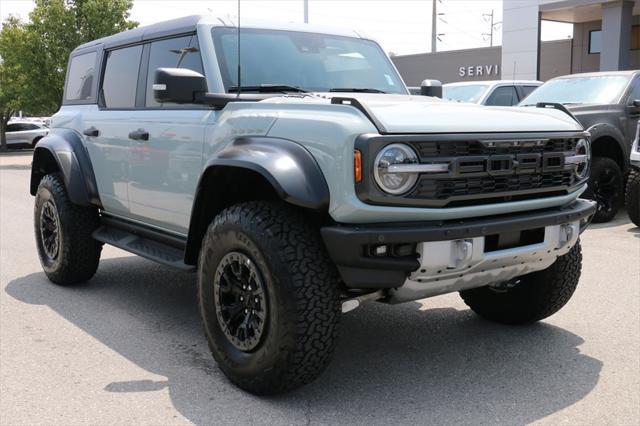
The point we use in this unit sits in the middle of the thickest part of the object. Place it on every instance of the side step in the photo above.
(133, 242)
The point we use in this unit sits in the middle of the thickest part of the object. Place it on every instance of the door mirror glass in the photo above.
(178, 85)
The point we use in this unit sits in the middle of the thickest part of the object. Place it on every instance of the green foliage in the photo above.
(34, 55)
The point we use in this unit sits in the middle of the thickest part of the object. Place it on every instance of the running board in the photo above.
(143, 246)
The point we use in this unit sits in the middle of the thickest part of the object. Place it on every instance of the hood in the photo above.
(422, 114)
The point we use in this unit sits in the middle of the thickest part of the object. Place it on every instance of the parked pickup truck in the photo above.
(302, 184)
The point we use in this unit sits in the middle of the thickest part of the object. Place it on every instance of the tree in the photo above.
(34, 55)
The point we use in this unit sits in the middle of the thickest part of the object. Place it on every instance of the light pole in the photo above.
(306, 11)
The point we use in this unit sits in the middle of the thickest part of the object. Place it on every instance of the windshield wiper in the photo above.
(267, 88)
(356, 90)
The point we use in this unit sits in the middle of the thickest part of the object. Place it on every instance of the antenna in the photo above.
(239, 68)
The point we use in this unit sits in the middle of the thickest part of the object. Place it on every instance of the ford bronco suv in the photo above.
(300, 181)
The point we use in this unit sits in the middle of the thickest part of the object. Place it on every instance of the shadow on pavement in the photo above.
(395, 364)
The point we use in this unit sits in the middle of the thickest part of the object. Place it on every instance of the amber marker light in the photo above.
(357, 166)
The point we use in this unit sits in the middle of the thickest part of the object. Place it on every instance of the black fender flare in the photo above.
(287, 165)
(63, 150)
(601, 130)
(289, 168)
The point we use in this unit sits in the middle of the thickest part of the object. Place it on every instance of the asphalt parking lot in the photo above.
(127, 348)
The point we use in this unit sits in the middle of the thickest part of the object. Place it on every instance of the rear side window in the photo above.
(503, 96)
(526, 90)
(180, 52)
(80, 77)
(121, 77)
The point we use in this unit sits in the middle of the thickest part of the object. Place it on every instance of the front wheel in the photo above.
(529, 298)
(606, 188)
(268, 297)
(632, 197)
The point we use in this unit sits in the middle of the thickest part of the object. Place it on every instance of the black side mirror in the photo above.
(431, 88)
(178, 85)
(636, 103)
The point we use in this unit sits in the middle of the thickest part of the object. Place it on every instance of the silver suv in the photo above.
(302, 183)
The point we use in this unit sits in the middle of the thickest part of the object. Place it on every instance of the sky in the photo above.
(401, 26)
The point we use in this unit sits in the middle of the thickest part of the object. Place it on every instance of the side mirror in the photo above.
(178, 85)
(636, 103)
(431, 88)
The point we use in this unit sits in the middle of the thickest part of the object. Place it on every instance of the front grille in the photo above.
(428, 150)
(471, 180)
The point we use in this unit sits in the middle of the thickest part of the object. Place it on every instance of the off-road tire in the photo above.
(632, 197)
(604, 169)
(301, 286)
(78, 253)
(534, 297)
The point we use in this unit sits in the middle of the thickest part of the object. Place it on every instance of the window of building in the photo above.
(80, 78)
(635, 37)
(595, 41)
(180, 52)
(503, 96)
(121, 77)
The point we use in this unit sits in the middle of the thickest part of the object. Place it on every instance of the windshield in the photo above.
(466, 93)
(313, 62)
(604, 89)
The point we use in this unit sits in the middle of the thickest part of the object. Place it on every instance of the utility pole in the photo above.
(488, 17)
(434, 25)
(306, 11)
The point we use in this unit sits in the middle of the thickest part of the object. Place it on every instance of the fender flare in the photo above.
(66, 149)
(600, 130)
(285, 164)
(289, 168)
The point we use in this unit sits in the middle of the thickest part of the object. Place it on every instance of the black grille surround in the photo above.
(484, 168)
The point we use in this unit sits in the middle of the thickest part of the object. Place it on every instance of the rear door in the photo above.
(632, 111)
(107, 128)
(166, 153)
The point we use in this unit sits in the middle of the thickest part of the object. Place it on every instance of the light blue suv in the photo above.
(302, 183)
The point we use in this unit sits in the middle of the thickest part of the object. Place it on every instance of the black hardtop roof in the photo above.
(174, 26)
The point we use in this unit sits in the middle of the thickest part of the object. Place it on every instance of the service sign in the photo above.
(478, 70)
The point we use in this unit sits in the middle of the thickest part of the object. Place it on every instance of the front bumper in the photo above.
(353, 247)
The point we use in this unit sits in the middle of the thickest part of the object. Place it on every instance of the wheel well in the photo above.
(222, 187)
(607, 146)
(43, 164)
(36, 139)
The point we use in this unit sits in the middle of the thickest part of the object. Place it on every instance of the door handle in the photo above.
(139, 135)
(91, 131)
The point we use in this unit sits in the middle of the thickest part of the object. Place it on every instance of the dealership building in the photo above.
(606, 36)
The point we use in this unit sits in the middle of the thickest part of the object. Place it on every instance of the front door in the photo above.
(166, 142)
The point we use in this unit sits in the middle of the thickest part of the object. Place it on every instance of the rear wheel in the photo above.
(531, 297)
(632, 197)
(68, 253)
(606, 188)
(268, 296)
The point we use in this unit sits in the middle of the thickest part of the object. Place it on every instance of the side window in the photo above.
(121, 77)
(635, 92)
(15, 127)
(80, 77)
(180, 52)
(526, 90)
(503, 96)
(30, 126)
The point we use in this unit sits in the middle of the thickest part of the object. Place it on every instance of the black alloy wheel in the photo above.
(50, 230)
(606, 188)
(240, 301)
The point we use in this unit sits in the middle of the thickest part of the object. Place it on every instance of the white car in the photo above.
(25, 133)
(495, 93)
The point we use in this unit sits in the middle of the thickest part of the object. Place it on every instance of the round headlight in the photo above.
(582, 167)
(395, 183)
